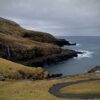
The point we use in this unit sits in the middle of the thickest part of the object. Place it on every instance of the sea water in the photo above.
(89, 45)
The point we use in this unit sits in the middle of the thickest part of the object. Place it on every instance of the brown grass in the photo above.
(83, 88)
(13, 70)
(34, 90)
(12, 28)
(28, 90)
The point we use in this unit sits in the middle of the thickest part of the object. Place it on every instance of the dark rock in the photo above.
(62, 42)
(2, 78)
(52, 59)
(34, 57)
(78, 52)
(54, 75)
(14, 53)
(95, 69)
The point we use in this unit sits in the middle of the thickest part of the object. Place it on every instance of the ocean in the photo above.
(90, 45)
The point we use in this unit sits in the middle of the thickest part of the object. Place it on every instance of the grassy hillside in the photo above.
(12, 28)
(12, 33)
(11, 70)
(19, 44)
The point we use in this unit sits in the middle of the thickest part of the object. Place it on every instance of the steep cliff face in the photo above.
(21, 45)
(20, 49)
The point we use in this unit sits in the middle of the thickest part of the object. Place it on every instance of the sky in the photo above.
(58, 17)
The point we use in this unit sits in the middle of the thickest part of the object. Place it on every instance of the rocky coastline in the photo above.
(31, 48)
(52, 59)
(34, 57)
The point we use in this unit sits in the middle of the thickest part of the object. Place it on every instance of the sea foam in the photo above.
(85, 54)
(77, 44)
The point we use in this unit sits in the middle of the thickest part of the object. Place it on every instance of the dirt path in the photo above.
(55, 90)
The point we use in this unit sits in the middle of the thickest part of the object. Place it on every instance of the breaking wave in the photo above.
(85, 54)
(77, 44)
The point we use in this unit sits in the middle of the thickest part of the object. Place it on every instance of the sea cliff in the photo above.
(29, 47)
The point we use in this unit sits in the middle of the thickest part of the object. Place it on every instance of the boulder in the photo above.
(95, 69)
(55, 75)
(62, 42)
(2, 78)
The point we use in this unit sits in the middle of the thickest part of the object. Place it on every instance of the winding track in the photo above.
(55, 90)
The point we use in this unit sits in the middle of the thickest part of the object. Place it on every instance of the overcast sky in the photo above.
(59, 17)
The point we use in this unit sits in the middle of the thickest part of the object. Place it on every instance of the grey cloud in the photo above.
(60, 17)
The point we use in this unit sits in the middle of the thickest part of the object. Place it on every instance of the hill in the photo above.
(11, 70)
(12, 28)
(24, 46)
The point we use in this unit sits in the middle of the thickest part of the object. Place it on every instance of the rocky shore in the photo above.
(52, 59)
(95, 69)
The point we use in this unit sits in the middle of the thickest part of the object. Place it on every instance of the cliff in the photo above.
(28, 47)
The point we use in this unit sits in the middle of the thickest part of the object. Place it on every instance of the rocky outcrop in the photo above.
(22, 54)
(54, 75)
(55, 58)
(2, 78)
(31, 47)
(46, 38)
(95, 69)
(36, 56)
(62, 42)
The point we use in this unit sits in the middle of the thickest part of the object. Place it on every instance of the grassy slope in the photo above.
(33, 90)
(14, 71)
(13, 35)
(24, 43)
(12, 28)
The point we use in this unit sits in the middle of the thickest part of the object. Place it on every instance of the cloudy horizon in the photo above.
(58, 17)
